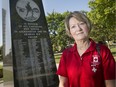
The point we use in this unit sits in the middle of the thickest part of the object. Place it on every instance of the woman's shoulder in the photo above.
(103, 46)
(104, 49)
(68, 49)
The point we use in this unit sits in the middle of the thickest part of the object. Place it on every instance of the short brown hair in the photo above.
(79, 16)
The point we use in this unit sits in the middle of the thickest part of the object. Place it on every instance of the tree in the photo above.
(102, 15)
(56, 29)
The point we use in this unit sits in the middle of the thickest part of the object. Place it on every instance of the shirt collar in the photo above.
(91, 48)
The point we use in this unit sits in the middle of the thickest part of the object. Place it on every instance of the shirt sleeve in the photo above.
(62, 66)
(108, 65)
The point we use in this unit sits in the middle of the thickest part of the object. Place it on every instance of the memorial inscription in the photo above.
(33, 60)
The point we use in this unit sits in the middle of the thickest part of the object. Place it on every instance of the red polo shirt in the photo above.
(89, 70)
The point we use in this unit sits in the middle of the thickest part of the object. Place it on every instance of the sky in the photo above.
(49, 6)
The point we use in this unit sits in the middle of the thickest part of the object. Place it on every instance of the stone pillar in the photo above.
(33, 60)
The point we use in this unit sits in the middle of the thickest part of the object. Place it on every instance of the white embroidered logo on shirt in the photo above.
(95, 59)
(95, 62)
(94, 69)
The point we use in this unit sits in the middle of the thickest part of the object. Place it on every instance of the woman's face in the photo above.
(78, 29)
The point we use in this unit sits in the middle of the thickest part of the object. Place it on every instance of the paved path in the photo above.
(8, 84)
(1, 84)
(10, 68)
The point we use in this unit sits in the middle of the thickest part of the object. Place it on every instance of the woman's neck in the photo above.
(82, 44)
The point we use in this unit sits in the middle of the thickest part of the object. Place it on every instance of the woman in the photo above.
(81, 65)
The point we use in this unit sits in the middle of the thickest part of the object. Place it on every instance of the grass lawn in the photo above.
(1, 66)
(8, 76)
(57, 58)
(113, 50)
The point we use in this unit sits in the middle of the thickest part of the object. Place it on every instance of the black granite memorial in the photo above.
(33, 60)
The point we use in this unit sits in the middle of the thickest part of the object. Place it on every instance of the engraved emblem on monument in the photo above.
(28, 10)
(33, 60)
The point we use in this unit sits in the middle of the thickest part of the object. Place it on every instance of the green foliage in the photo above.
(56, 28)
(102, 15)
